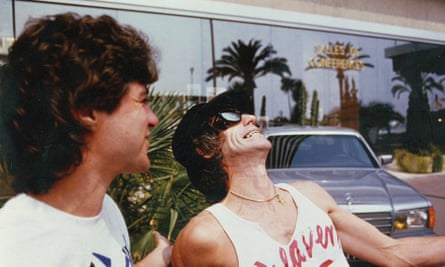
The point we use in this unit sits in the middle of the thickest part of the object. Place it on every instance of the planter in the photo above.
(412, 163)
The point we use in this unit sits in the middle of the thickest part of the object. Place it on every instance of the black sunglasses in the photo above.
(225, 119)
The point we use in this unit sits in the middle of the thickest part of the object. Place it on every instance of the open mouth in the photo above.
(252, 133)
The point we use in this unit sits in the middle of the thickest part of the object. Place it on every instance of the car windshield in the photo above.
(318, 151)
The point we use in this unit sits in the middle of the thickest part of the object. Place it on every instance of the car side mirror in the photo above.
(385, 159)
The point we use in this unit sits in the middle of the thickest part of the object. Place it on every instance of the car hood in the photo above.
(358, 190)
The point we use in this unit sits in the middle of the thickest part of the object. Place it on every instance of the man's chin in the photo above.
(141, 167)
(148, 165)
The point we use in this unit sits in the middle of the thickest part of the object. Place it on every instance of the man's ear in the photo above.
(85, 116)
(204, 154)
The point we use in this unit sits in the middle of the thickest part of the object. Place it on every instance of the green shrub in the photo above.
(424, 162)
(437, 157)
(412, 163)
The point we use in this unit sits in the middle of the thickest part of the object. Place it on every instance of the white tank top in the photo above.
(314, 241)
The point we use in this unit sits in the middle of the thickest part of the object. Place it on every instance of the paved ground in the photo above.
(433, 187)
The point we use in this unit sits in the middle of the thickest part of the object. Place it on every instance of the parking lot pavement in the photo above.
(432, 185)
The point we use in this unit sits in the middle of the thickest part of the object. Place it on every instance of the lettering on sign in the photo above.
(337, 56)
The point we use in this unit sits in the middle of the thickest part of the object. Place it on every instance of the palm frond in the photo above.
(248, 61)
(398, 89)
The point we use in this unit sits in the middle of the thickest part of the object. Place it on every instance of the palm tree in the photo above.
(162, 198)
(429, 84)
(248, 62)
(296, 89)
(418, 126)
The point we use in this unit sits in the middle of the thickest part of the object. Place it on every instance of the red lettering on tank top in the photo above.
(326, 263)
(295, 254)
(283, 257)
(310, 245)
(259, 264)
(323, 238)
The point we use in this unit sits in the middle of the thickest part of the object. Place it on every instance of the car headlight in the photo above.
(414, 219)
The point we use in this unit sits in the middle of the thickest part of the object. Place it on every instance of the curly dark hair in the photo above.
(209, 174)
(58, 65)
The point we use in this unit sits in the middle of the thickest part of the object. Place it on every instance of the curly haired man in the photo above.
(74, 115)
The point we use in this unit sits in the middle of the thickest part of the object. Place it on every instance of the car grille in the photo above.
(381, 220)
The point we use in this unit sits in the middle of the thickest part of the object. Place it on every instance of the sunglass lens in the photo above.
(230, 116)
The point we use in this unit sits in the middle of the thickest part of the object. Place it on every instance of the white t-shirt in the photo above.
(35, 234)
(314, 241)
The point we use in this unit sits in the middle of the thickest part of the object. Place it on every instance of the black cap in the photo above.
(191, 124)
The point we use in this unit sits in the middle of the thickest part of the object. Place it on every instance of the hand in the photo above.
(161, 254)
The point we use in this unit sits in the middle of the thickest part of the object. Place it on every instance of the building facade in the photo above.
(350, 56)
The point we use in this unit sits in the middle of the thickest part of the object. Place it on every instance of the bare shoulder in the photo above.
(199, 228)
(202, 242)
(316, 194)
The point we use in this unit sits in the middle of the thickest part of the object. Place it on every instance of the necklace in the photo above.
(275, 195)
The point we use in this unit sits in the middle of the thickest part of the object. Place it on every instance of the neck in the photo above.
(275, 195)
(80, 193)
(243, 175)
(248, 177)
(252, 184)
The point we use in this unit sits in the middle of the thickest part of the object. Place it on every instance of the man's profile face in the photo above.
(121, 138)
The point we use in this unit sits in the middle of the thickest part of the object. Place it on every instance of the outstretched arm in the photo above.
(366, 242)
(361, 239)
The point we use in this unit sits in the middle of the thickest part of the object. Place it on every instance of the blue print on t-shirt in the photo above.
(107, 261)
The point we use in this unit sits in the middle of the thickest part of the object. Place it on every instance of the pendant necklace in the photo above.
(275, 195)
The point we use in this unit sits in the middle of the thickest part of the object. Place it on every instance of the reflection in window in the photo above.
(188, 46)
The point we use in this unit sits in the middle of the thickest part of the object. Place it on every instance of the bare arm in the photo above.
(203, 243)
(366, 242)
(363, 240)
(160, 256)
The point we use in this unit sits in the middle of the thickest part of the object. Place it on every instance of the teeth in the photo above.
(252, 133)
